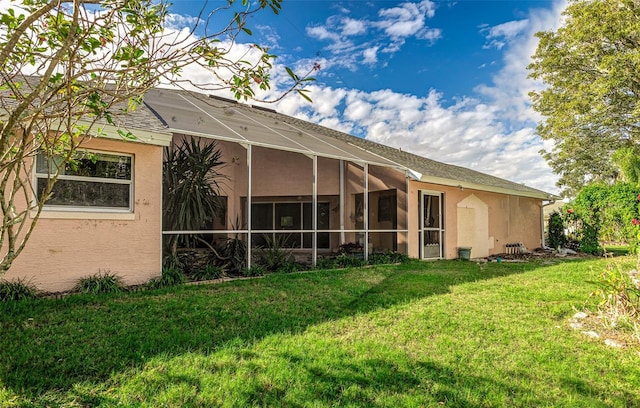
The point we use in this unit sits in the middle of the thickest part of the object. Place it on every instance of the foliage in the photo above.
(274, 254)
(209, 272)
(325, 263)
(234, 254)
(348, 261)
(606, 213)
(291, 267)
(556, 237)
(388, 258)
(69, 69)
(345, 260)
(589, 67)
(254, 271)
(589, 243)
(191, 181)
(169, 277)
(17, 289)
(619, 295)
(628, 161)
(102, 282)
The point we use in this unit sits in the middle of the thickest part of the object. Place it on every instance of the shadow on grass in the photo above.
(50, 345)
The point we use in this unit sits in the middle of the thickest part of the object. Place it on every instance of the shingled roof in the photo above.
(433, 171)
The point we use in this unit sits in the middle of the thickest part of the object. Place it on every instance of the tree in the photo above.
(69, 67)
(591, 69)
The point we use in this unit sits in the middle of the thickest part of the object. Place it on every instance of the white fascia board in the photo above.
(481, 187)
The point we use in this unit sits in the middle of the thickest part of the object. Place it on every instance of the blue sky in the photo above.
(446, 80)
(443, 79)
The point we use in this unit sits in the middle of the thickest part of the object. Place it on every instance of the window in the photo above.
(93, 181)
(290, 216)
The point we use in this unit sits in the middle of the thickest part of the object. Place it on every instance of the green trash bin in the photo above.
(464, 253)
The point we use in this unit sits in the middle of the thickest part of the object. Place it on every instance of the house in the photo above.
(315, 187)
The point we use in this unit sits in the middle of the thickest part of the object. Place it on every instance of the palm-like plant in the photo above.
(191, 189)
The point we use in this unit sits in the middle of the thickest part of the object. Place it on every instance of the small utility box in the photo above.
(464, 253)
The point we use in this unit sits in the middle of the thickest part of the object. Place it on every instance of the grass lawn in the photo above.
(447, 333)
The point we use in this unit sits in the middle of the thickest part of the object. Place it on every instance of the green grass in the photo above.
(618, 250)
(450, 333)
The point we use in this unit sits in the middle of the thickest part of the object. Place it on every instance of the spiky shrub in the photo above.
(274, 254)
(17, 289)
(233, 253)
(169, 277)
(255, 270)
(102, 282)
(191, 190)
(209, 272)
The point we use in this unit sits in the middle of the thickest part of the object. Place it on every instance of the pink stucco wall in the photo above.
(61, 251)
(511, 219)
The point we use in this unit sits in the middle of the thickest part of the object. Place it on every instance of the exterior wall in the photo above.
(483, 220)
(511, 219)
(66, 246)
(282, 176)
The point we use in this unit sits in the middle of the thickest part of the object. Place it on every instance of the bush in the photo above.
(102, 282)
(556, 238)
(325, 263)
(346, 261)
(274, 255)
(234, 254)
(619, 295)
(169, 277)
(255, 270)
(17, 289)
(291, 267)
(589, 240)
(388, 258)
(209, 272)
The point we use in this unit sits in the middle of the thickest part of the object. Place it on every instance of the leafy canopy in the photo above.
(591, 69)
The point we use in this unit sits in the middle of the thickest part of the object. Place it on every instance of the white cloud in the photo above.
(385, 34)
(353, 27)
(370, 55)
(271, 37)
(503, 34)
(322, 33)
(179, 22)
(492, 133)
(406, 20)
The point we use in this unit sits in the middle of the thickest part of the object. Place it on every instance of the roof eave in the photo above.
(108, 131)
(491, 189)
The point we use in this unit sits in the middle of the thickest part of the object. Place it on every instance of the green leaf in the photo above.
(291, 74)
(303, 93)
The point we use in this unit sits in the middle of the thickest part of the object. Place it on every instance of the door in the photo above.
(431, 225)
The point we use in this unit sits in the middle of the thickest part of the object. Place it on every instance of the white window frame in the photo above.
(89, 209)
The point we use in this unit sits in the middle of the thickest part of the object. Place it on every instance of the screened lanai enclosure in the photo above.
(288, 181)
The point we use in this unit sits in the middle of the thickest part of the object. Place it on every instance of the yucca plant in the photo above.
(274, 254)
(191, 189)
